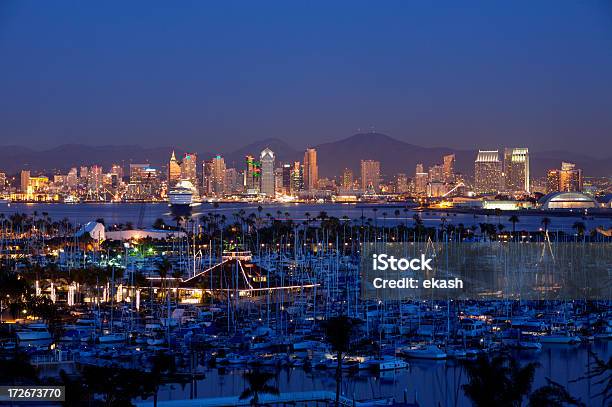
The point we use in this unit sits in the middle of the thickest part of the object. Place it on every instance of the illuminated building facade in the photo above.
(487, 172)
(370, 176)
(311, 170)
(516, 170)
(420, 180)
(189, 168)
(449, 168)
(174, 170)
(267, 159)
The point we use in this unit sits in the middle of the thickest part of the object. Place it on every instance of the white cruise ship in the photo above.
(181, 197)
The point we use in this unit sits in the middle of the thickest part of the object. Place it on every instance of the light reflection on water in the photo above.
(432, 382)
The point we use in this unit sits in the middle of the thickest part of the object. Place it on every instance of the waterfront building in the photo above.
(251, 175)
(566, 179)
(311, 170)
(420, 180)
(436, 173)
(217, 176)
(25, 181)
(449, 168)
(401, 184)
(83, 175)
(370, 175)
(297, 178)
(267, 172)
(144, 182)
(286, 179)
(487, 172)
(174, 170)
(567, 200)
(516, 170)
(233, 181)
(347, 179)
(72, 179)
(189, 168)
(3, 184)
(552, 181)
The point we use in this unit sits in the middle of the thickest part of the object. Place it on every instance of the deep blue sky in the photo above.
(213, 76)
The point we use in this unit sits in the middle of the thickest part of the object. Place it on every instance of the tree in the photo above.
(580, 228)
(553, 395)
(339, 334)
(258, 384)
(514, 220)
(498, 381)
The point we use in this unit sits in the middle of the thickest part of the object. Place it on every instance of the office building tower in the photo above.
(449, 168)
(347, 179)
(174, 170)
(233, 181)
(436, 173)
(72, 178)
(286, 179)
(189, 168)
(217, 175)
(251, 175)
(401, 183)
(117, 170)
(267, 173)
(3, 184)
(566, 179)
(516, 169)
(370, 176)
(311, 170)
(297, 178)
(25, 181)
(487, 172)
(420, 180)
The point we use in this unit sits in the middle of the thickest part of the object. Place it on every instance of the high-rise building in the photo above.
(311, 170)
(516, 169)
(436, 173)
(217, 175)
(72, 179)
(347, 179)
(3, 184)
(83, 175)
(233, 181)
(449, 168)
(487, 172)
(174, 170)
(370, 175)
(94, 179)
(267, 172)
(567, 179)
(286, 179)
(189, 168)
(144, 182)
(117, 170)
(25, 181)
(420, 180)
(252, 175)
(401, 183)
(297, 178)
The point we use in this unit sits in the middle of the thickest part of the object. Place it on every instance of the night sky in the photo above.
(215, 76)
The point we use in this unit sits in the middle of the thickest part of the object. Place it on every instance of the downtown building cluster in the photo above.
(264, 177)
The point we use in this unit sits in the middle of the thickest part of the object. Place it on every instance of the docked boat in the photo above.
(34, 332)
(383, 364)
(181, 198)
(424, 352)
(560, 339)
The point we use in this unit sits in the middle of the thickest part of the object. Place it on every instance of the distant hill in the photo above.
(395, 156)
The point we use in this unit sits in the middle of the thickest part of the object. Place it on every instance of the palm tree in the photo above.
(258, 384)
(514, 220)
(339, 334)
(553, 395)
(580, 228)
(546, 223)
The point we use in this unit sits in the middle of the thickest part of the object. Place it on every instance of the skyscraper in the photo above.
(401, 183)
(567, 179)
(516, 169)
(347, 179)
(370, 175)
(449, 168)
(174, 170)
(420, 180)
(267, 172)
(436, 173)
(25, 181)
(286, 179)
(311, 170)
(487, 172)
(189, 168)
(297, 178)
(218, 175)
(251, 175)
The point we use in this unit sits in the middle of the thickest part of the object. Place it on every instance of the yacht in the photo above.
(34, 332)
(424, 352)
(181, 197)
